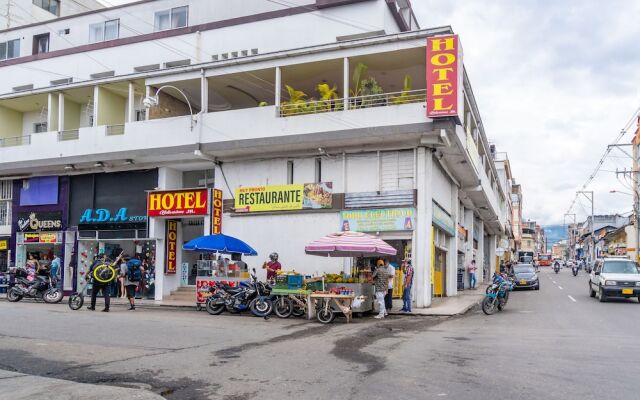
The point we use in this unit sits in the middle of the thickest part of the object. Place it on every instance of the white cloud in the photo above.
(555, 82)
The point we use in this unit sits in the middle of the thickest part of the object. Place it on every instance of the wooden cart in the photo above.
(326, 303)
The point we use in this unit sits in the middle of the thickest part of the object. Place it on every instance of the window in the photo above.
(290, 172)
(10, 49)
(103, 31)
(141, 115)
(40, 127)
(318, 172)
(53, 6)
(171, 19)
(41, 43)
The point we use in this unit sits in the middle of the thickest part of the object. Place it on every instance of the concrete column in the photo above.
(493, 244)
(168, 178)
(345, 82)
(278, 88)
(147, 93)
(423, 233)
(469, 221)
(452, 262)
(204, 93)
(52, 112)
(96, 102)
(60, 112)
(131, 102)
(480, 254)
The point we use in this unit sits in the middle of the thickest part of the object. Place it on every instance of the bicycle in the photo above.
(104, 273)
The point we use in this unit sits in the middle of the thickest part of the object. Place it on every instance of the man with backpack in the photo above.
(132, 273)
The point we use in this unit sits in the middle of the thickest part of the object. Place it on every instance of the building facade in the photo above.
(299, 135)
(15, 13)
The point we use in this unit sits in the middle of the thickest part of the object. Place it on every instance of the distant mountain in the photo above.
(555, 233)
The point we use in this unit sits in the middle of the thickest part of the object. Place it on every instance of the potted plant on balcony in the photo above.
(365, 87)
(405, 96)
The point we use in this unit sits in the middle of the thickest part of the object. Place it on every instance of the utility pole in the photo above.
(633, 174)
(570, 234)
(593, 235)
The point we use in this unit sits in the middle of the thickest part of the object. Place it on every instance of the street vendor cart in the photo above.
(218, 269)
(355, 296)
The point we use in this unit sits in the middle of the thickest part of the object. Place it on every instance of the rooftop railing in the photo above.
(15, 141)
(359, 102)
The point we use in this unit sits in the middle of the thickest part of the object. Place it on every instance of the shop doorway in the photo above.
(403, 247)
(439, 273)
(192, 228)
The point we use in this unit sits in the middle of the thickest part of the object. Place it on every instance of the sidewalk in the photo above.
(24, 387)
(447, 306)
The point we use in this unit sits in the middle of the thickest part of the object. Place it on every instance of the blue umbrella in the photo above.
(221, 244)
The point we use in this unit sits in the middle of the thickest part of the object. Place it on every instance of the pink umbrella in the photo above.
(349, 244)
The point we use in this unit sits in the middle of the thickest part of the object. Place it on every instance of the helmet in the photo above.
(273, 256)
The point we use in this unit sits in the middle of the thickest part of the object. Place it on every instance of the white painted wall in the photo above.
(442, 187)
(22, 12)
(29, 119)
(286, 234)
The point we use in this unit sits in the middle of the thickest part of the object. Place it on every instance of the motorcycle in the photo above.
(42, 287)
(574, 270)
(254, 296)
(497, 297)
(556, 268)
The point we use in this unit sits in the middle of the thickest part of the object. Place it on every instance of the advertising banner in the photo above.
(39, 221)
(203, 285)
(48, 238)
(443, 67)
(378, 220)
(172, 247)
(216, 212)
(175, 203)
(4, 244)
(31, 238)
(443, 220)
(284, 197)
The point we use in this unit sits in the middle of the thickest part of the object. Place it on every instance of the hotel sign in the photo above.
(178, 203)
(172, 247)
(216, 212)
(443, 69)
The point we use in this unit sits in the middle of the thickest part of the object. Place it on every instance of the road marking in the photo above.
(560, 287)
(554, 281)
(572, 299)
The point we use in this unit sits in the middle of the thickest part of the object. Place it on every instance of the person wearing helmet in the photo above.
(272, 266)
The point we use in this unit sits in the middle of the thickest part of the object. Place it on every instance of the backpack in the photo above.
(134, 274)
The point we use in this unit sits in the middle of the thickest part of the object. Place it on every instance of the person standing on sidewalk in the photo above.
(406, 286)
(98, 286)
(381, 283)
(471, 268)
(388, 298)
(54, 271)
(132, 274)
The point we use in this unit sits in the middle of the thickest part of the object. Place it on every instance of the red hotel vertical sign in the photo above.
(172, 247)
(443, 63)
(216, 212)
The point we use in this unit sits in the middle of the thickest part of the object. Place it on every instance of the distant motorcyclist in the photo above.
(556, 266)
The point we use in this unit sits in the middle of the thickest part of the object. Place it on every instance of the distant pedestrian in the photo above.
(388, 299)
(471, 268)
(407, 285)
(132, 274)
(54, 271)
(381, 283)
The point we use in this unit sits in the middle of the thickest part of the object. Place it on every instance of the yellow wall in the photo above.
(53, 112)
(71, 115)
(111, 108)
(11, 125)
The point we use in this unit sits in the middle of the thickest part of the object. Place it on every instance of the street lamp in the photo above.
(153, 101)
(618, 191)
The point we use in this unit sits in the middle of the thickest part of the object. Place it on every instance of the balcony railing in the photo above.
(369, 101)
(15, 141)
(114, 130)
(70, 134)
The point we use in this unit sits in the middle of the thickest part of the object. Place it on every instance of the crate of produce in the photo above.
(295, 281)
(314, 286)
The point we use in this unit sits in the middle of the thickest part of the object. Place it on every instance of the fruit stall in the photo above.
(361, 285)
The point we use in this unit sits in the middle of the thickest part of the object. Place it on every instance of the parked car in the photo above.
(614, 277)
(525, 276)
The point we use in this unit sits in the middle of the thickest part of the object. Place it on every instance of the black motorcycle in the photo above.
(574, 270)
(42, 287)
(556, 267)
(254, 296)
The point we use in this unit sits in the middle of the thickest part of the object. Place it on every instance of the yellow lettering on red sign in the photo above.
(443, 64)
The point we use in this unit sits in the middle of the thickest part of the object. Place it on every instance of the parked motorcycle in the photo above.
(497, 297)
(254, 296)
(40, 288)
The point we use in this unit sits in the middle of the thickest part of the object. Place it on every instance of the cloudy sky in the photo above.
(556, 81)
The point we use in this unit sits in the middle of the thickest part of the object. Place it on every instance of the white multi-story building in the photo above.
(16, 13)
(309, 116)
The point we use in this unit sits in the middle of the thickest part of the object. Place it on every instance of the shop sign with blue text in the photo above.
(102, 215)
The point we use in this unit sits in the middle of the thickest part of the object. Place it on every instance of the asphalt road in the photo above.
(556, 343)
